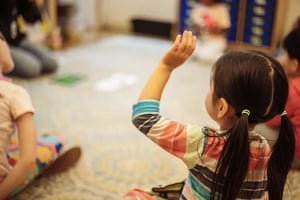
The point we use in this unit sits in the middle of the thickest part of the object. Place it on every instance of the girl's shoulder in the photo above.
(9, 89)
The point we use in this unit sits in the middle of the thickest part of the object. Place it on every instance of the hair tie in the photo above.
(283, 113)
(246, 112)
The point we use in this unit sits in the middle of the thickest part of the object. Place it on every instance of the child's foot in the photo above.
(63, 162)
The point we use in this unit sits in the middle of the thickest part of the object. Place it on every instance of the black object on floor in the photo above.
(156, 28)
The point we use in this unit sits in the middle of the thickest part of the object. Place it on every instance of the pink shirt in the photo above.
(14, 102)
(293, 110)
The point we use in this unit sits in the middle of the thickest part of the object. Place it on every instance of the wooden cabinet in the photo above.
(255, 24)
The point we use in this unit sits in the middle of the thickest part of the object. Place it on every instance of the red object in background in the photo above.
(209, 21)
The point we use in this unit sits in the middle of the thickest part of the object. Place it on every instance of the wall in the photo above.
(85, 16)
(116, 14)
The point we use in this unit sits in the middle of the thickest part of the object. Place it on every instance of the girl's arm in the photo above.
(182, 48)
(170, 135)
(26, 162)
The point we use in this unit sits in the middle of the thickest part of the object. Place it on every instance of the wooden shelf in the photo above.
(269, 32)
(52, 9)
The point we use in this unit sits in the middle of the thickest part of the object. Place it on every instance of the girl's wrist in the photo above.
(165, 67)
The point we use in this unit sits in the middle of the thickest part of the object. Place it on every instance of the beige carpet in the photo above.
(95, 113)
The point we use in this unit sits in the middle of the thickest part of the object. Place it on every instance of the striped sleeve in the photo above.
(181, 140)
(145, 114)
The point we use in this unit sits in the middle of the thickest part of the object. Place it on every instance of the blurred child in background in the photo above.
(210, 23)
(30, 59)
(290, 60)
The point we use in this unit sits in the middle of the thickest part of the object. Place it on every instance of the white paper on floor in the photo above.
(115, 82)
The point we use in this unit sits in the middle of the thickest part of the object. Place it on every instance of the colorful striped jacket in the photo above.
(200, 148)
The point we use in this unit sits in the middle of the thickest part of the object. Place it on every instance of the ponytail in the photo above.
(281, 159)
(233, 164)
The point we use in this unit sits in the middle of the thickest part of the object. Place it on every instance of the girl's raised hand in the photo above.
(183, 47)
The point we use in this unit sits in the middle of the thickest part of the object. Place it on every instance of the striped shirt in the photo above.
(200, 148)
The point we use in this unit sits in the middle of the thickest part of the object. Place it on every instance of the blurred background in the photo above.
(255, 23)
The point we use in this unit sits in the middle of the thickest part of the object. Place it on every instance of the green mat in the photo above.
(68, 79)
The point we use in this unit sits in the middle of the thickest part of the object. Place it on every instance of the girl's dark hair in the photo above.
(257, 82)
(291, 43)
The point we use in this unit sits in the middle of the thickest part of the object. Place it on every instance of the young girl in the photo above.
(210, 22)
(290, 60)
(234, 161)
(23, 158)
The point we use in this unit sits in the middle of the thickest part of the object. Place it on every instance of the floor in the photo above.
(96, 114)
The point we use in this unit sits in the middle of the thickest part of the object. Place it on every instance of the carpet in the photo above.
(95, 113)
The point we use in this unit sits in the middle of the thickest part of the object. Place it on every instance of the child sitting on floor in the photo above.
(234, 161)
(25, 157)
(290, 60)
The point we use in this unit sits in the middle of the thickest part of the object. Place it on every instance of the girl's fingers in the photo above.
(184, 43)
(190, 41)
(184, 40)
(176, 43)
(194, 41)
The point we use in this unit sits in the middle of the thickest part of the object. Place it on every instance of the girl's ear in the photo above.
(295, 65)
(223, 107)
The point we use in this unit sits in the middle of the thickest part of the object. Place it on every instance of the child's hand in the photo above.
(181, 50)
